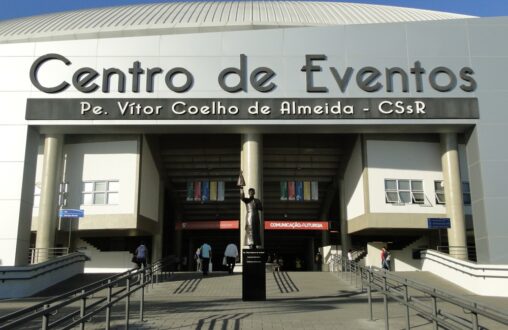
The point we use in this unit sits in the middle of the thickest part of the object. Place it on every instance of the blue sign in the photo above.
(70, 213)
(438, 223)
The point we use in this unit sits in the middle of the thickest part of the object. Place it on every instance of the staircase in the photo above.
(104, 261)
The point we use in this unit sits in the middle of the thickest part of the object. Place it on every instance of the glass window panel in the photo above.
(467, 199)
(465, 187)
(405, 197)
(99, 198)
(417, 185)
(37, 201)
(113, 186)
(392, 197)
(87, 199)
(440, 198)
(390, 185)
(418, 198)
(438, 186)
(404, 184)
(87, 186)
(100, 186)
(113, 198)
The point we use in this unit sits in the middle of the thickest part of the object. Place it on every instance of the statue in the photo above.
(253, 222)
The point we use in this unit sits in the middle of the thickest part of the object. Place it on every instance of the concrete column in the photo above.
(251, 164)
(453, 195)
(157, 237)
(345, 239)
(47, 219)
(179, 239)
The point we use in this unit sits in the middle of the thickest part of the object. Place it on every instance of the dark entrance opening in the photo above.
(191, 159)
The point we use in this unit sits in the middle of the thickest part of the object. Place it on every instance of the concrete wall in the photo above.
(95, 161)
(149, 197)
(485, 280)
(401, 260)
(403, 160)
(104, 261)
(353, 183)
(21, 282)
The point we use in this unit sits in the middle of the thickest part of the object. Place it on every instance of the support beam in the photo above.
(453, 196)
(345, 238)
(45, 239)
(252, 168)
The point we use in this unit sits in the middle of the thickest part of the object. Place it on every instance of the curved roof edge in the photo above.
(187, 17)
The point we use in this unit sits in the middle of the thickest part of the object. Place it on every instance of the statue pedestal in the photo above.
(253, 275)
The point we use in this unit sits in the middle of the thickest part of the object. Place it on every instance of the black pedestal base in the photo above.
(253, 275)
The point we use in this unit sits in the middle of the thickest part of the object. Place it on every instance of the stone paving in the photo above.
(295, 300)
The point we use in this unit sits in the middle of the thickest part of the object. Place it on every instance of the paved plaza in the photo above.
(295, 300)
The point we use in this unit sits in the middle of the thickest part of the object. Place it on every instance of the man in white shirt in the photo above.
(231, 253)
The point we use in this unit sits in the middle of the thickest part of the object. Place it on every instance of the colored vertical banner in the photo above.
(283, 190)
(205, 190)
(190, 191)
(291, 190)
(220, 191)
(299, 190)
(314, 190)
(306, 190)
(213, 190)
(197, 190)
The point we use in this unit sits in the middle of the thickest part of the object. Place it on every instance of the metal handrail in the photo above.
(35, 254)
(395, 287)
(136, 280)
(64, 261)
(468, 251)
(473, 266)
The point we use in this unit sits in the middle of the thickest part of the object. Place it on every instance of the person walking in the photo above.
(388, 259)
(318, 259)
(231, 253)
(385, 258)
(350, 258)
(197, 257)
(141, 253)
(206, 255)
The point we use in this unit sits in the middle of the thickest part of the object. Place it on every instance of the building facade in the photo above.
(143, 116)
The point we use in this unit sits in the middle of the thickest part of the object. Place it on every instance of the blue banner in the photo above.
(205, 191)
(299, 190)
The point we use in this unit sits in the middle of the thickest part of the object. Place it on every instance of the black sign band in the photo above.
(252, 109)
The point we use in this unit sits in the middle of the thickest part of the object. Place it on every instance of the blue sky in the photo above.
(21, 8)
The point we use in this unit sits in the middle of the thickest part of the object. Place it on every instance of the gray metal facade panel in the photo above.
(201, 14)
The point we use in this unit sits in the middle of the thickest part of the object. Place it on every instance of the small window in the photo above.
(440, 194)
(404, 191)
(37, 194)
(466, 193)
(101, 192)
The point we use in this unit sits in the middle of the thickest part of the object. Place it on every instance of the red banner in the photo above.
(295, 225)
(215, 224)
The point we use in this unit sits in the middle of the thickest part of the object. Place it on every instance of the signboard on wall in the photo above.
(251, 109)
(71, 213)
(438, 223)
(295, 225)
(209, 224)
